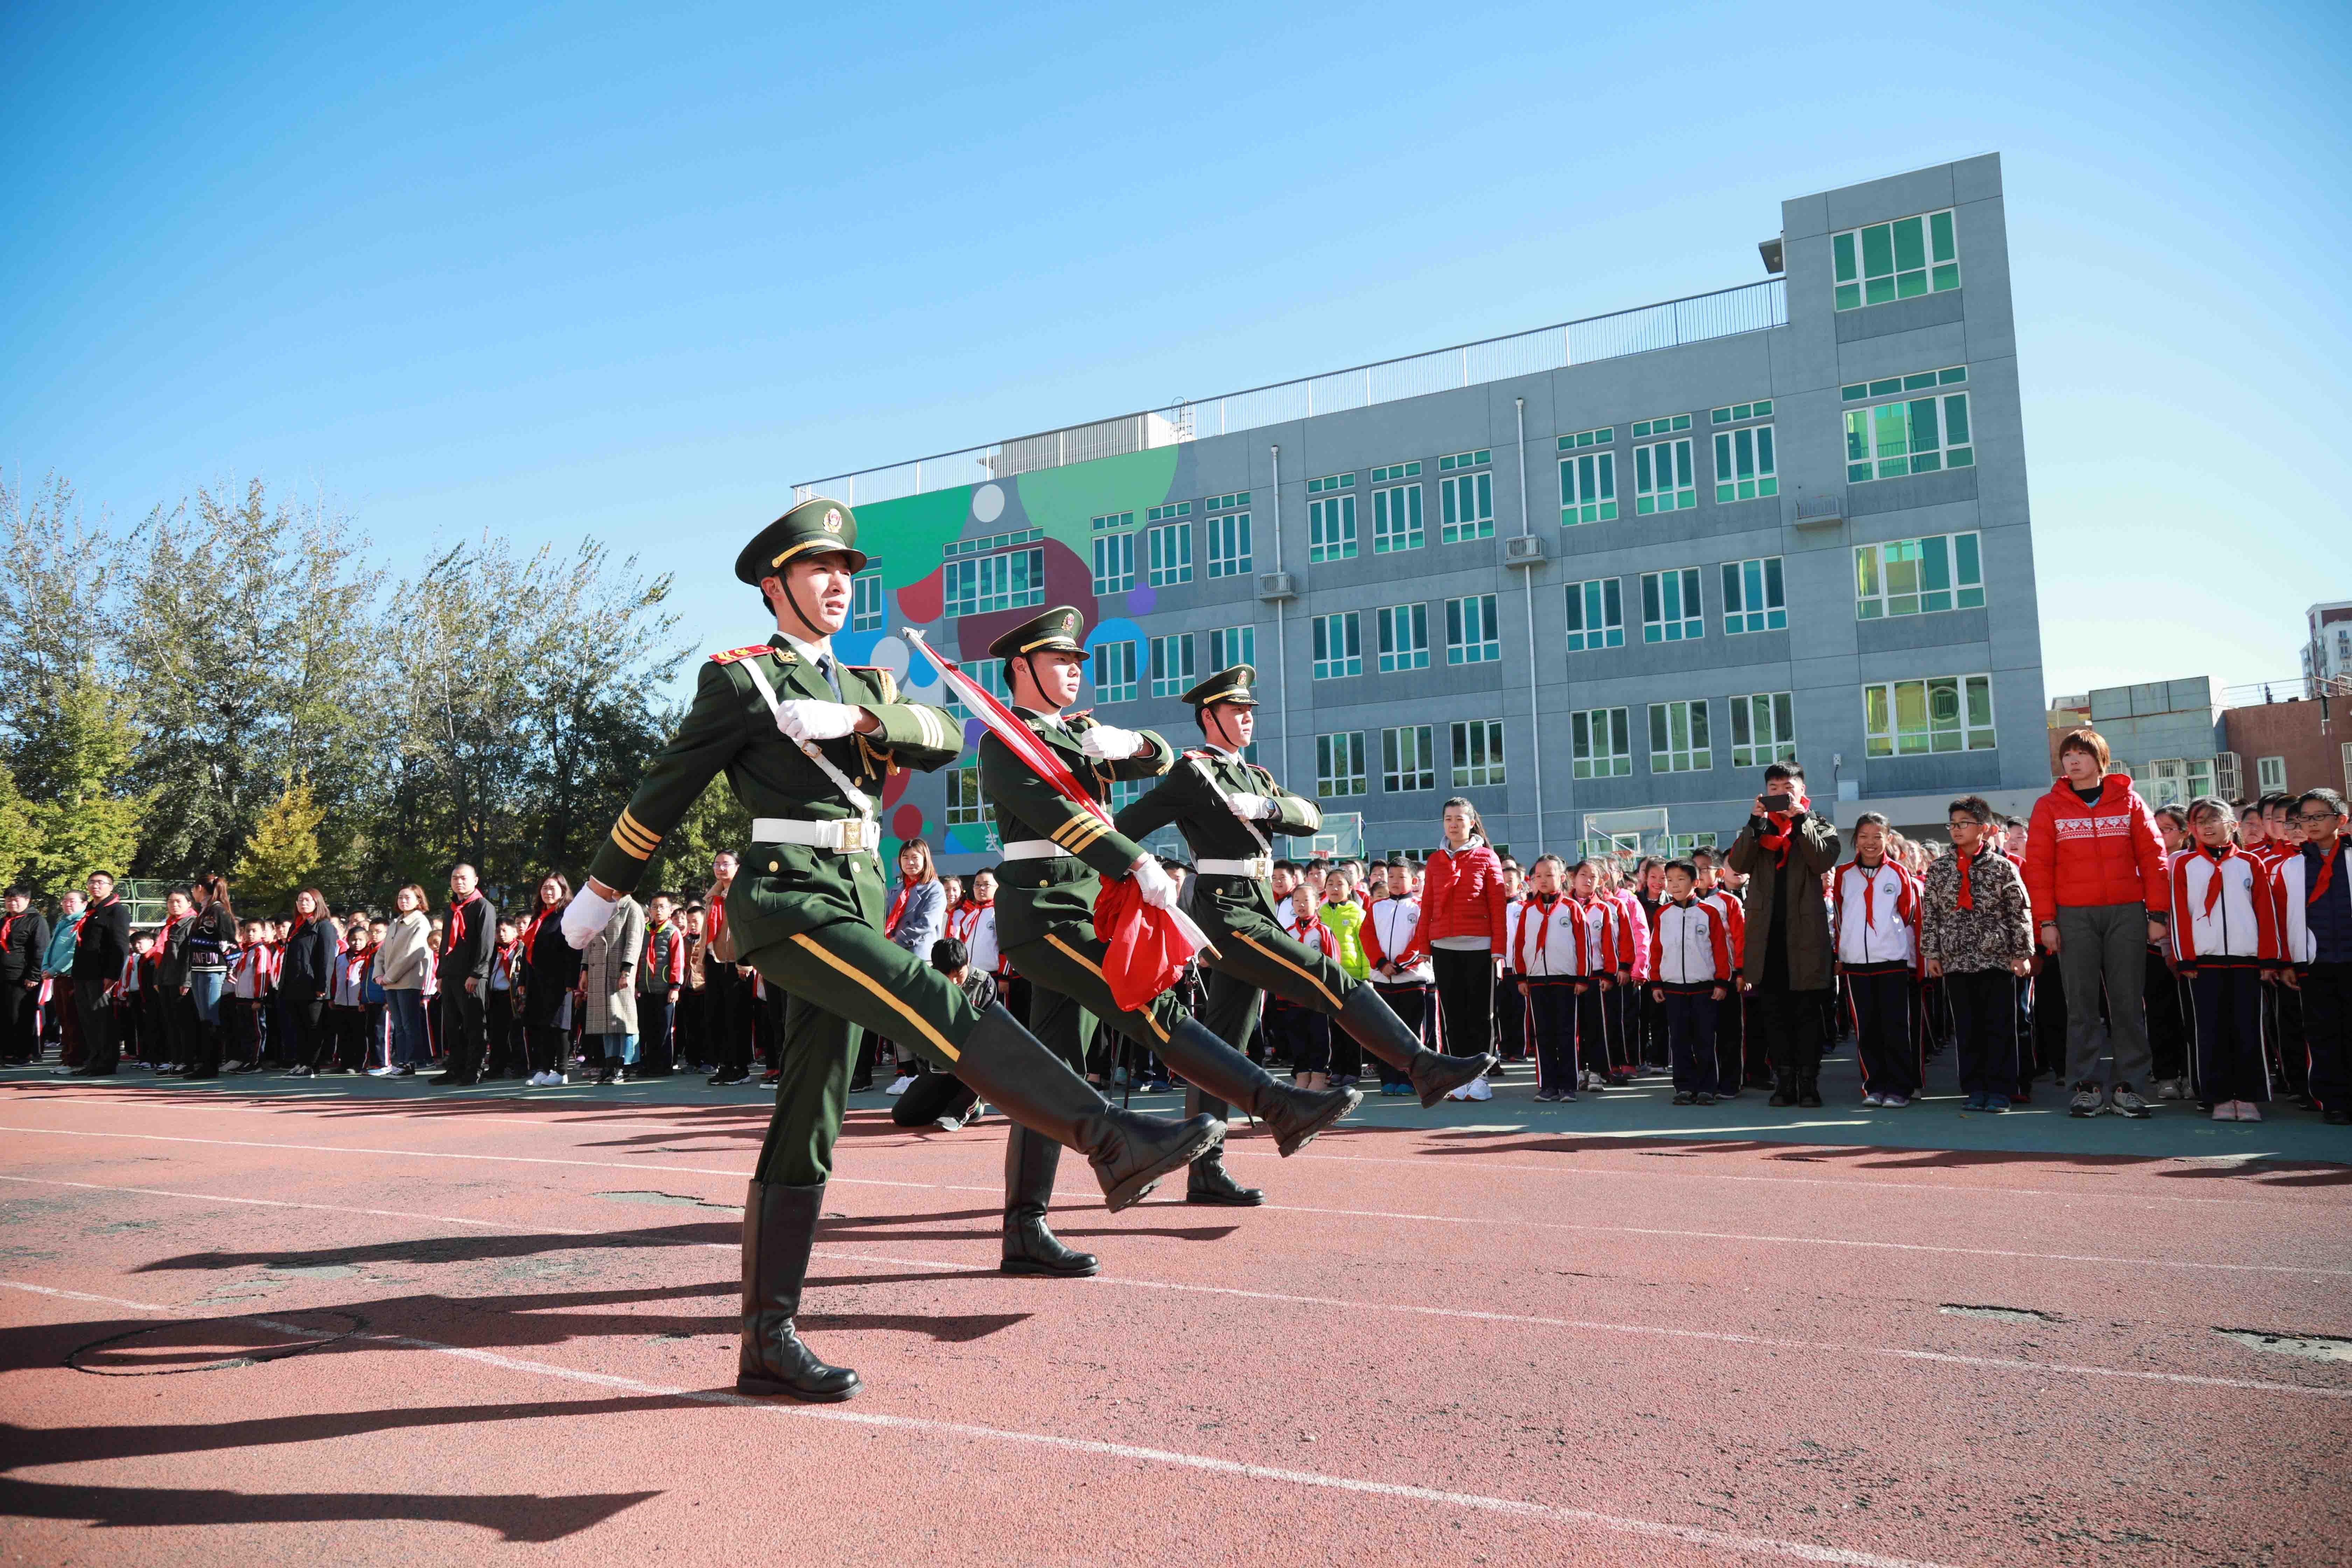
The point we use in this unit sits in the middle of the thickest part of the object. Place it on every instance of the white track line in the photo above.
(1850, 1242)
(619, 1116)
(1831, 1347)
(1799, 1550)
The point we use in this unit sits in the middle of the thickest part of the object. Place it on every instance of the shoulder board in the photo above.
(735, 654)
(1197, 755)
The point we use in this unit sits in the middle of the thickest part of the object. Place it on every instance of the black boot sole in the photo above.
(770, 1387)
(1030, 1266)
(1291, 1143)
(1438, 1088)
(1135, 1188)
(1246, 1198)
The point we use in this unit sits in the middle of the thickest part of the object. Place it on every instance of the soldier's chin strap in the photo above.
(1215, 711)
(785, 588)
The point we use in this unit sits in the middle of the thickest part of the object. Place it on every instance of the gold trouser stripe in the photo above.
(628, 826)
(1095, 970)
(894, 1005)
(1308, 976)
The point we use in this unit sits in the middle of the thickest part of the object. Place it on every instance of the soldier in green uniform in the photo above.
(1054, 851)
(1226, 808)
(801, 740)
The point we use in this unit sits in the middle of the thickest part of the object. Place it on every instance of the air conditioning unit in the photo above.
(1275, 587)
(1523, 550)
(1821, 511)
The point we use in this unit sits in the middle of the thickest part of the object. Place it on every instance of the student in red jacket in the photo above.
(1462, 928)
(2095, 869)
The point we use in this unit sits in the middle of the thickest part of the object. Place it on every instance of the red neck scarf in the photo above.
(530, 931)
(2220, 857)
(2319, 884)
(454, 932)
(1967, 895)
(897, 908)
(1775, 836)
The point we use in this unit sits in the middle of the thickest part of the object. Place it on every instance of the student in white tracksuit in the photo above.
(1551, 962)
(2225, 939)
(1691, 971)
(1874, 923)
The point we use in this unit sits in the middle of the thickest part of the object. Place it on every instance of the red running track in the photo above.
(255, 1328)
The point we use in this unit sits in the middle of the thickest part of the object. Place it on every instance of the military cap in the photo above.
(1055, 631)
(818, 523)
(1231, 686)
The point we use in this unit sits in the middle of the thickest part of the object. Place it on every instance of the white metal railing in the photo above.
(1747, 308)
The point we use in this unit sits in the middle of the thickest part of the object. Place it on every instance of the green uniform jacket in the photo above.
(780, 888)
(1212, 832)
(1034, 897)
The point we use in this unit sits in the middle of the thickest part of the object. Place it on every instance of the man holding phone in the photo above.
(1784, 850)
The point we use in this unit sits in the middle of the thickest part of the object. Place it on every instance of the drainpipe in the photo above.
(1534, 721)
(1281, 634)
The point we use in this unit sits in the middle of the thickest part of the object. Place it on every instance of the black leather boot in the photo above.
(1006, 1066)
(1293, 1114)
(1371, 1024)
(1029, 1245)
(1809, 1093)
(778, 1229)
(1784, 1089)
(1208, 1182)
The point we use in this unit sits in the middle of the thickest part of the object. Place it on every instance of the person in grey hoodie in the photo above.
(918, 917)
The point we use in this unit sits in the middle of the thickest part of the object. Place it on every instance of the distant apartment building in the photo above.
(2327, 650)
(2182, 738)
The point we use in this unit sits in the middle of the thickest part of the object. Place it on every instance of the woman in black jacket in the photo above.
(210, 938)
(546, 975)
(306, 970)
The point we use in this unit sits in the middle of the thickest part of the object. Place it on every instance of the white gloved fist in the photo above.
(585, 916)
(1255, 806)
(1157, 887)
(811, 719)
(1107, 743)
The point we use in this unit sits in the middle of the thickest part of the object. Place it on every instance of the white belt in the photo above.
(1258, 867)
(844, 835)
(1033, 849)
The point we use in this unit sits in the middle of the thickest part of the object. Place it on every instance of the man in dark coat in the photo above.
(98, 955)
(469, 942)
(24, 939)
(1784, 851)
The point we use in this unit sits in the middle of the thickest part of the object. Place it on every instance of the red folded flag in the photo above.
(1147, 950)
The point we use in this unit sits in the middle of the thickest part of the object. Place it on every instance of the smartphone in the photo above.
(1778, 801)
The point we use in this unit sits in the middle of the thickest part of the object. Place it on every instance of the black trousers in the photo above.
(348, 1026)
(1552, 1018)
(506, 1048)
(1791, 1023)
(655, 1022)
(1690, 1018)
(2228, 1003)
(309, 1045)
(1299, 1035)
(1984, 1019)
(726, 1017)
(2168, 1024)
(1510, 1019)
(1466, 999)
(2326, 993)
(1730, 1037)
(1880, 1002)
(19, 1019)
(2282, 1030)
(101, 1049)
(1410, 1003)
(462, 1018)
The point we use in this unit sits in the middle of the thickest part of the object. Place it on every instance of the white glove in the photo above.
(1157, 887)
(808, 718)
(585, 916)
(1106, 743)
(1255, 806)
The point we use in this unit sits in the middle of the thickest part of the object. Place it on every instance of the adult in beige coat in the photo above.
(608, 989)
(403, 960)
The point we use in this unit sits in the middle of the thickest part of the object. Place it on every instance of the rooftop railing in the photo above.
(1726, 312)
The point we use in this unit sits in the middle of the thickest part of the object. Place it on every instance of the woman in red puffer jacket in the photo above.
(1462, 915)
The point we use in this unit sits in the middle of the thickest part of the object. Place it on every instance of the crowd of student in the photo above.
(2197, 953)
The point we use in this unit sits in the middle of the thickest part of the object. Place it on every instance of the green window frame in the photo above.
(1661, 476)
(1013, 580)
(1396, 513)
(1678, 736)
(1587, 477)
(1473, 630)
(1339, 764)
(1754, 599)
(1477, 754)
(1465, 497)
(1230, 646)
(1407, 759)
(1339, 646)
(1899, 259)
(1671, 606)
(867, 604)
(1596, 614)
(1114, 563)
(1229, 544)
(1331, 519)
(1921, 576)
(1908, 425)
(1170, 554)
(1745, 467)
(1763, 730)
(1403, 633)
(1935, 713)
(1114, 669)
(1172, 665)
(1600, 741)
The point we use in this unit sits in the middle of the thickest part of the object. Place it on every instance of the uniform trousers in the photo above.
(1690, 1015)
(1879, 1001)
(2168, 1023)
(1552, 1018)
(2326, 991)
(1984, 1022)
(1592, 1042)
(1409, 1000)
(2226, 1001)
(1297, 1035)
(1510, 1018)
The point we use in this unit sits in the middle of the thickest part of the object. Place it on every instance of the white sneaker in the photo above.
(898, 1085)
(1477, 1089)
(383, 1072)
(1874, 1099)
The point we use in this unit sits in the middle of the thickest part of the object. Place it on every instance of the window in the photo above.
(1170, 554)
(1744, 465)
(1896, 260)
(2270, 774)
(1172, 510)
(1114, 554)
(1404, 638)
(1759, 409)
(1941, 713)
(1917, 576)
(1661, 470)
(1465, 500)
(1763, 730)
(1230, 646)
(1588, 477)
(1678, 738)
(1670, 606)
(2176, 781)
(1331, 519)
(2346, 750)
(1596, 614)
(1752, 600)
(1478, 752)
(988, 674)
(1339, 647)
(1472, 636)
(1339, 764)
(1602, 742)
(1114, 666)
(1407, 759)
(1172, 665)
(1907, 435)
(1396, 508)
(866, 601)
(1125, 793)
(1229, 544)
(965, 807)
(1011, 580)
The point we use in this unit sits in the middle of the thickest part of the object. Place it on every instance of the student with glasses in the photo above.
(2313, 894)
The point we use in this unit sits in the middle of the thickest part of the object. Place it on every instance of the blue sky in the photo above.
(632, 271)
